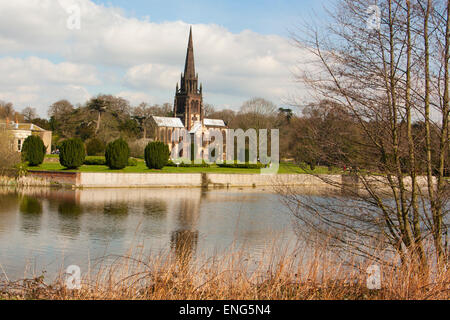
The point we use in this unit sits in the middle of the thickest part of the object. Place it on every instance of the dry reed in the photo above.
(281, 273)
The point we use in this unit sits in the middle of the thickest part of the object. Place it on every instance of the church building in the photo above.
(188, 107)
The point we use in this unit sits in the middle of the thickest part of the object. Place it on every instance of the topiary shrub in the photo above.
(117, 153)
(95, 161)
(33, 151)
(132, 162)
(182, 164)
(236, 165)
(95, 147)
(156, 155)
(72, 153)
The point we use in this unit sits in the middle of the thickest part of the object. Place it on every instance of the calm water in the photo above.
(48, 229)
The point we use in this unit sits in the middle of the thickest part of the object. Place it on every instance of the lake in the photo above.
(44, 229)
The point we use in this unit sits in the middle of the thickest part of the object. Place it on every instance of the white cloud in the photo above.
(152, 76)
(137, 57)
(39, 82)
(42, 96)
(35, 70)
(136, 97)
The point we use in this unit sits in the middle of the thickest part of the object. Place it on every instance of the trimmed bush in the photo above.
(72, 153)
(188, 165)
(132, 162)
(101, 161)
(156, 155)
(236, 165)
(117, 154)
(33, 151)
(95, 147)
(95, 161)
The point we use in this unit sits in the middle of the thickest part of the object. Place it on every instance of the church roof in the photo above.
(197, 126)
(168, 122)
(214, 123)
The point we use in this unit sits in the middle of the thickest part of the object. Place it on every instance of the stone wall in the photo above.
(58, 177)
(259, 180)
(114, 180)
(211, 180)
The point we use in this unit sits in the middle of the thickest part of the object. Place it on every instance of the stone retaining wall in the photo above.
(213, 180)
(58, 177)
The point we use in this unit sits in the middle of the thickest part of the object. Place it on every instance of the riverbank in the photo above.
(205, 180)
(281, 275)
(194, 180)
(179, 180)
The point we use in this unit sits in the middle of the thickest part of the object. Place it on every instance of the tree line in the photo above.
(318, 134)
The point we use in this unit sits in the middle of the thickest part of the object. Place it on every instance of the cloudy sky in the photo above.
(136, 49)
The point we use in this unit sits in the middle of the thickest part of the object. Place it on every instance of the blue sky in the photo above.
(136, 50)
(262, 16)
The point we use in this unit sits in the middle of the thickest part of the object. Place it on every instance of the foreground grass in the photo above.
(286, 275)
(142, 168)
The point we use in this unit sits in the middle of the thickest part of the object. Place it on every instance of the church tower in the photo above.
(188, 104)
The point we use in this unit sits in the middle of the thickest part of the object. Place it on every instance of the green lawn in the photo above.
(141, 168)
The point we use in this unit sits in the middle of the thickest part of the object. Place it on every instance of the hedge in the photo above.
(95, 147)
(156, 155)
(72, 153)
(242, 165)
(188, 165)
(117, 154)
(33, 151)
(101, 161)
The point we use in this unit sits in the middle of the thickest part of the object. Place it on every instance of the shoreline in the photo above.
(181, 180)
(81, 180)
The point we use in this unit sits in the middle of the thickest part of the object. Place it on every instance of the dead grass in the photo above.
(24, 181)
(280, 274)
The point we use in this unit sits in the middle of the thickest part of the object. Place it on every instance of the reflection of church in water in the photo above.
(175, 211)
(179, 209)
(188, 110)
(184, 238)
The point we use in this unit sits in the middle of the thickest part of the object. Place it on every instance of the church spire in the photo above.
(188, 104)
(189, 68)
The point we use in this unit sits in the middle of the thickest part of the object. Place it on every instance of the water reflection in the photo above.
(184, 238)
(30, 205)
(31, 209)
(155, 209)
(154, 217)
(117, 210)
(81, 225)
(69, 218)
(8, 208)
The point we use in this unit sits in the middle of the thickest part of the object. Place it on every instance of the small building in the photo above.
(188, 107)
(21, 131)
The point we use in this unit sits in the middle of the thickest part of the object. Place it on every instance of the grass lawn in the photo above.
(142, 168)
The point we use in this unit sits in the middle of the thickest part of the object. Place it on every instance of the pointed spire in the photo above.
(189, 68)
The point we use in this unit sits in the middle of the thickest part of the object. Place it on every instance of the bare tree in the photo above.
(29, 114)
(391, 81)
(208, 109)
(142, 114)
(60, 109)
(6, 110)
(256, 113)
(259, 106)
(226, 115)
